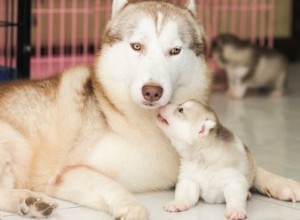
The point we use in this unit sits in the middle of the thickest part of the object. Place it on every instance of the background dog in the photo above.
(249, 66)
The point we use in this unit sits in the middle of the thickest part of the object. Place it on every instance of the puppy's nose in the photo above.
(152, 93)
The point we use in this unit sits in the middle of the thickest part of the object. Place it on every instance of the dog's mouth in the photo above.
(151, 105)
(162, 119)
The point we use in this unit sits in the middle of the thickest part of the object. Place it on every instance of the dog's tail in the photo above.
(275, 186)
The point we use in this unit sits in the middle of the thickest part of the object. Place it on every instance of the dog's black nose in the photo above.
(152, 92)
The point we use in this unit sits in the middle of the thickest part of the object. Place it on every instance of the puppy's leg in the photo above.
(279, 85)
(237, 88)
(186, 195)
(231, 83)
(236, 193)
(87, 186)
(25, 203)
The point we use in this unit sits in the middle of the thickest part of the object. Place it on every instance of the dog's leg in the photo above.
(230, 81)
(237, 88)
(25, 203)
(89, 187)
(279, 85)
(7, 179)
(186, 195)
(276, 186)
(14, 148)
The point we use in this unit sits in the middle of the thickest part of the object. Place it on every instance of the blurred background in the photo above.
(39, 38)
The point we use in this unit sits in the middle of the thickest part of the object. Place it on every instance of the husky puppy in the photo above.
(249, 66)
(215, 164)
(89, 134)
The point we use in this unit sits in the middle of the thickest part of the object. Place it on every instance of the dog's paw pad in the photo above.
(176, 206)
(235, 215)
(36, 207)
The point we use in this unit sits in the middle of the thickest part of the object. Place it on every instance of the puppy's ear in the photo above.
(205, 127)
(191, 5)
(117, 5)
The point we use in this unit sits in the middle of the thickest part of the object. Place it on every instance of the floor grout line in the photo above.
(280, 203)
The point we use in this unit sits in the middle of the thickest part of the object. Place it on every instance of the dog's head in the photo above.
(151, 50)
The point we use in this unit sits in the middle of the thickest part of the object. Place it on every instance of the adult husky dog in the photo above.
(89, 135)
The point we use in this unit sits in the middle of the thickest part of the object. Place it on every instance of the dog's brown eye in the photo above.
(136, 46)
(175, 51)
(180, 110)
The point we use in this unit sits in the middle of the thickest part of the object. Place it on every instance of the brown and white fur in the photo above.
(89, 135)
(215, 164)
(249, 66)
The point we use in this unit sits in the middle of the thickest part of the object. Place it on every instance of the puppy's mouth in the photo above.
(162, 119)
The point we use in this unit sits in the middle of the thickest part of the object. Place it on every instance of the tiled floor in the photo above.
(270, 127)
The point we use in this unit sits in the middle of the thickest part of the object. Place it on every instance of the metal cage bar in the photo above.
(23, 38)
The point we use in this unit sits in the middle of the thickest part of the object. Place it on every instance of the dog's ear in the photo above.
(205, 127)
(117, 5)
(191, 5)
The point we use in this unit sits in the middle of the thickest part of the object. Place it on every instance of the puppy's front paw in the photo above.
(176, 206)
(233, 95)
(135, 212)
(235, 214)
(276, 94)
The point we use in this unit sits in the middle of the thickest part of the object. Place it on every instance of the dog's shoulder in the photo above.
(73, 80)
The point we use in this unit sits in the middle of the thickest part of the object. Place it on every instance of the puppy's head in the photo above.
(188, 122)
(224, 39)
(218, 44)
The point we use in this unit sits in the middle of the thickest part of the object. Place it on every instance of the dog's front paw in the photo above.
(176, 206)
(135, 212)
(235, 214)
(36, 207)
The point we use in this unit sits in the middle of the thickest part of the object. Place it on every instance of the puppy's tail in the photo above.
(275, 186)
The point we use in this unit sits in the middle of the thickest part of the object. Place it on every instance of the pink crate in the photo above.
(68, 32)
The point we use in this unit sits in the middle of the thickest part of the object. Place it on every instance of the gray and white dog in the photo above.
(249, 66)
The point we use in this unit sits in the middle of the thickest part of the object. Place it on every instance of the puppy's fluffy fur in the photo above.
(215, 164)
